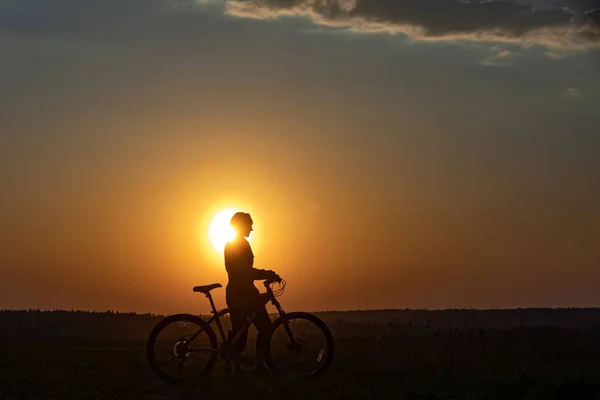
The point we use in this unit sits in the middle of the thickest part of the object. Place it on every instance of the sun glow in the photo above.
(219, 231)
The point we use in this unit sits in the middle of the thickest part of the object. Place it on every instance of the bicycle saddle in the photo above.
(207, 288)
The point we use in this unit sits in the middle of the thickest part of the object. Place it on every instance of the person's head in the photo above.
(241, 222)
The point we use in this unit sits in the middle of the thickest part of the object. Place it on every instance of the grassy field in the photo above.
(374, 360)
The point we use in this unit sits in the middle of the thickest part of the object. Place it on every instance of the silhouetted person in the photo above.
(241, 293)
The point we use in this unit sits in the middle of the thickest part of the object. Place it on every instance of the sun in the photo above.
(219, 231)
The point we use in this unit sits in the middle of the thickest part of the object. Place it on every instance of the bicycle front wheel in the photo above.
(182, 347)
(300, 345)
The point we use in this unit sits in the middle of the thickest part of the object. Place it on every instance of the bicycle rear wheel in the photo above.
(300, 344)
(182, 347)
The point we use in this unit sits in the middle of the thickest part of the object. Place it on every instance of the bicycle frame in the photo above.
(265, 298)
(277, 344)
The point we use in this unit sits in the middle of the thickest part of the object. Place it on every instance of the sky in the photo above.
(393, 154)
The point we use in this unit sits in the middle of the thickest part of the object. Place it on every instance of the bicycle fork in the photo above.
(286, 324)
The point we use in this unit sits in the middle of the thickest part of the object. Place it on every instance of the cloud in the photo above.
(553, 24)
(504, 54)
(572, 93)
(555, 55)
(498, 60)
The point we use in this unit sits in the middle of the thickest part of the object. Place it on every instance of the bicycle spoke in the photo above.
(178, 355)
(299, 346)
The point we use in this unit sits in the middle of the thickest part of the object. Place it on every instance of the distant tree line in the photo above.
(83, 326)
(74, 325)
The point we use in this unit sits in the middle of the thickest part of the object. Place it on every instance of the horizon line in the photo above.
(62, 310)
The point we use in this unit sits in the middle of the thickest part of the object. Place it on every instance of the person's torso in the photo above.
(239, 261)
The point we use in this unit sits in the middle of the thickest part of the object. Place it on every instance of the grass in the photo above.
(405, 362)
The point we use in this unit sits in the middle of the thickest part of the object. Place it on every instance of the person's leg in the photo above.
(238, 317)
(263, 326)
(237, 321)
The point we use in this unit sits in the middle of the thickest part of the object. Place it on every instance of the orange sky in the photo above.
(380, 172)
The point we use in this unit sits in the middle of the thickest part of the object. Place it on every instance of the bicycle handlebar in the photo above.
(268, 282)
(276, 292)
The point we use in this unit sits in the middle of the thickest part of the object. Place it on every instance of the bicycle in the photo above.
(293, 340)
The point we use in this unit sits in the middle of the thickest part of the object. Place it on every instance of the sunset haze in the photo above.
(389, 159)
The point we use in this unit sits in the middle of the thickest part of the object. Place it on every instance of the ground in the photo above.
(374, 360)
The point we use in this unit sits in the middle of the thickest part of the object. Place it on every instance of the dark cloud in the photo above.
(559, 24)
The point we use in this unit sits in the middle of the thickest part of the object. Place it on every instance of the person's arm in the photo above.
(242, 266)
(246, 272)
(262, 274)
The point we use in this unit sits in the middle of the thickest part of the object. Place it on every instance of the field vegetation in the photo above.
(387, 354)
